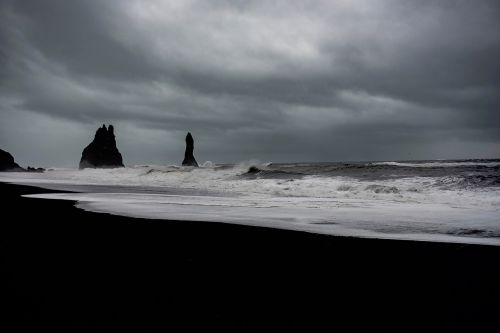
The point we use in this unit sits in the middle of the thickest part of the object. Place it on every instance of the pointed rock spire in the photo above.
(189, 159)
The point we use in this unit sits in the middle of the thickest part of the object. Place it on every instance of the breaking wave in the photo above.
(284, 181)
(368, 200)
(441, 164)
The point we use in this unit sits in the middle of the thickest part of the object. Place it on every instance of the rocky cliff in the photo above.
(7, 162)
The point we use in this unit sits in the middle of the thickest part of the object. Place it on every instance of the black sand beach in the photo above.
(62, 268)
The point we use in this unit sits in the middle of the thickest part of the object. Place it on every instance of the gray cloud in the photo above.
(280, 81)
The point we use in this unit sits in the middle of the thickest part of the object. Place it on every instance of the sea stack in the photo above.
(102, 152)
(7, 162)
(189, 159)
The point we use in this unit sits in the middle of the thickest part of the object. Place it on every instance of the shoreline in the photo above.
(46, 188)
(67, 267)
(153, 203)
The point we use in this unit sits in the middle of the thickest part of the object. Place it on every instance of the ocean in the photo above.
(436, 200)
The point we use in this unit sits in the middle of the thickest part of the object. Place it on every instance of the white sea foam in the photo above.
(418, 208)
(428, 222)
(227, 181)
(439, 164)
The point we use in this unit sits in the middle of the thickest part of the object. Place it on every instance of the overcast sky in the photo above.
(264, 80)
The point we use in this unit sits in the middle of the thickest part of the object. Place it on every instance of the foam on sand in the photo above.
(416, 208)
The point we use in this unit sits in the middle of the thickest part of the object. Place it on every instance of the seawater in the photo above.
(445, 200)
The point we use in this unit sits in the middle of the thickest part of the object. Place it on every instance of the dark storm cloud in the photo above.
(286, 80)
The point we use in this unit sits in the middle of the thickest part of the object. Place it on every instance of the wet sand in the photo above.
(62, 267)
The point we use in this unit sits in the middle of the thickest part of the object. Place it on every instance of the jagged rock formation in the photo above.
(189, 159)
(7, 162)
(30, 169)
(102, 152)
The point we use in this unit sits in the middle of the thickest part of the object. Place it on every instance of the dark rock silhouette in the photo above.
(30, 169)
(253, 169)
(189, 159)
(102, 152)
(7, 162)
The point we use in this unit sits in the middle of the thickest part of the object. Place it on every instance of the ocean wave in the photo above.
(440, 164)
(469, 182)
(234, 180)
(382, 188)
(451, 206)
